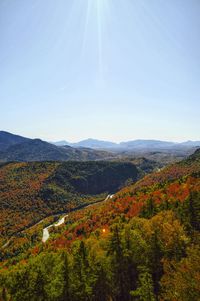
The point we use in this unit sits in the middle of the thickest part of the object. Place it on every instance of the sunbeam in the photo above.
(95, 13)
(99, 27)
(88, 9)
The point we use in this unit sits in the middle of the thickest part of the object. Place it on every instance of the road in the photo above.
(46, 234)
(61, 221)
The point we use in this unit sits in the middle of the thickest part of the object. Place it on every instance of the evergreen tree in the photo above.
(81, 287)
(116, 253)
(144, 292)
(194, 210)
(66, 279)
(156, 265)
(4, 294)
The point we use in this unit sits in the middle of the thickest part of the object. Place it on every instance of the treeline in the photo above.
(136, 259)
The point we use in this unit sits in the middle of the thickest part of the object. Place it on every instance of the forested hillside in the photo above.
(7, 140)
(32, 191)
(38, 150)
(141, 245)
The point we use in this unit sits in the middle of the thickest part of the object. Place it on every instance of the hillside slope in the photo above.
(8, 139)
(168, 189)
(38, 150)
(143, 244)
(31, 191)
(17, 148)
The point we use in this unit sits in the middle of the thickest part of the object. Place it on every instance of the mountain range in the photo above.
(133, 144)
(17, 148)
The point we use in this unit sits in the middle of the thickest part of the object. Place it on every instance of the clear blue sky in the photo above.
(108, 69)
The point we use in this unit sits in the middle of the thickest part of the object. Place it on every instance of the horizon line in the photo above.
(101, 139)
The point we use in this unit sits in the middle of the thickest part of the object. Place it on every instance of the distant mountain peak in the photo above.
(17, 148)
(89, 143)
(61, 143)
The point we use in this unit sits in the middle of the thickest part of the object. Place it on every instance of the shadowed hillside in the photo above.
(17, 148)
(31, 191)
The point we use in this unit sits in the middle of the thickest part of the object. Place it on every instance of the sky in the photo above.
(108, 69)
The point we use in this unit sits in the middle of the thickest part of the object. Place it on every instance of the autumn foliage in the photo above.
(142, 244)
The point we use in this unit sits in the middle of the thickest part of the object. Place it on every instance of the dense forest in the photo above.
(34, 190)
(143, 244)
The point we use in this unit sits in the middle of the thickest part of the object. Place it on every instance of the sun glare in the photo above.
(95, 14)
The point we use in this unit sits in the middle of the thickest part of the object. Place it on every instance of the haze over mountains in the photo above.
(18, 148)
(133, 144)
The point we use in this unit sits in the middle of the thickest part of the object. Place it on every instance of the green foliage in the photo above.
(141, 245)
(127, 262)
(181, 279)
(144, 291)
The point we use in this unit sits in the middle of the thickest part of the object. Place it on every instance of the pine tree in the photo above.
(194, 210)
(66, 279)
(144, 292)
(4, 294)
(116, 252)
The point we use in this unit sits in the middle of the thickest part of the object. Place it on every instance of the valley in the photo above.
(33, 191)
(99, 150)
(61, 220)
(146, 227)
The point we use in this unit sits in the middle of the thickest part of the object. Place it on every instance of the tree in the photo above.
(144, 291)
(81, 287)
(181, 280)
(65, 270)
(194, 210)
(116, 253)
(4, 294)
